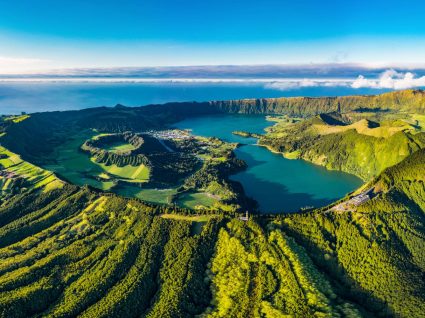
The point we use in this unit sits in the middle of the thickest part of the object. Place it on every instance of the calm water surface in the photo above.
(33, 97)
(278, 184)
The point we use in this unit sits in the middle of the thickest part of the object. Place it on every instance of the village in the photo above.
(170, 134)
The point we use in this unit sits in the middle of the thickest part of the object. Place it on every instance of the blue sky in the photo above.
(48, 34)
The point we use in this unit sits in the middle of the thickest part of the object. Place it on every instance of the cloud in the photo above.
(271, 77)
(306, 82)
(390, 79)
(278, 72)
(291, 84)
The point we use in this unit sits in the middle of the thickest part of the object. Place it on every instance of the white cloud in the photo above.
(390, 79)
(361, 82)
(306, 82)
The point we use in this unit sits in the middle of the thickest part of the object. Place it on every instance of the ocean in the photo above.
(30, 97)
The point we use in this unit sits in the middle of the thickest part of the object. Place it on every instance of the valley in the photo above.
(156, 166)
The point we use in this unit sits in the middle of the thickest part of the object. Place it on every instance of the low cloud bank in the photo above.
(284, 85)
(389, 79)
(386, 79)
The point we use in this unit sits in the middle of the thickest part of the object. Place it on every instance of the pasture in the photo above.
(197, 200)
(118, 147)
(78, 168)
(162, 196)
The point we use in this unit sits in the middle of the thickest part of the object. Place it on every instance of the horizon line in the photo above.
(280, 66)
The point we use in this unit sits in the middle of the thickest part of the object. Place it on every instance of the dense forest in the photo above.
(69, 250)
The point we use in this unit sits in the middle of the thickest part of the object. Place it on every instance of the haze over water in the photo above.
(16, 97)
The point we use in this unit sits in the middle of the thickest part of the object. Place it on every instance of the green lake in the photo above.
(276, 183)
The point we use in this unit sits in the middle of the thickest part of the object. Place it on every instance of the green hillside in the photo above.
(364, 148)
(69, 249)
(411, 101)
(74, 251)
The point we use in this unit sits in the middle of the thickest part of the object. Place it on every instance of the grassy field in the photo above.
(17, 119)
(196, 200)
(135, 174)
(78, 168)
(419, 119)
(198, 221)
(364, 127)
(120, 147)
(162, 196)
(196, 218)
(35, 176)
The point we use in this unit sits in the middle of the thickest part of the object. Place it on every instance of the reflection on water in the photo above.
(276, 183)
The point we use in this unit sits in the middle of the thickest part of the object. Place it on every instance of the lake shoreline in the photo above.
(277, 183)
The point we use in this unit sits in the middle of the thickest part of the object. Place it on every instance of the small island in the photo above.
(246, 134)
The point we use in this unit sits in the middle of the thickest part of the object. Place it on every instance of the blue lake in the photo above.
(276, 183)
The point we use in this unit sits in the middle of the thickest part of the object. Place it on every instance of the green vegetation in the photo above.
(119, 147)
(375, 252)
(158, 174)
(364, 148)
(17, 119)
(197, 200)
(408, 101)
(78, 253)
(68, 250)
(134, 174)
(153, 195)
(77, 167)
(246, 134)
(259, 274)
(18, 176)
(196, 218)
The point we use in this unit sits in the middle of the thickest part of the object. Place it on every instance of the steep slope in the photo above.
(72, 251)
(412, 101)
(363, 148)
(364, 262)
(374, 253)
(69, 251)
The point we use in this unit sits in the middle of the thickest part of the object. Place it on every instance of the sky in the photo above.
(41, 35)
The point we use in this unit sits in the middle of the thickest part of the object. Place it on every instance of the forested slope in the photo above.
(364, 148)
(71, 251)
(364, 262)
(74, 252)
(407, 101)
